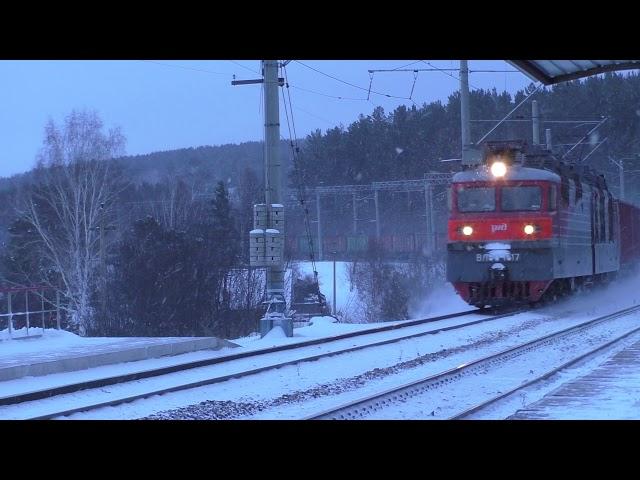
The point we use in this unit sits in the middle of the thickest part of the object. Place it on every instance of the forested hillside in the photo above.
(410, 141)
(175, 224)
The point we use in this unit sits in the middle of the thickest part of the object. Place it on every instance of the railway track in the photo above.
(492, 402)
(363, 407)
(71, 388)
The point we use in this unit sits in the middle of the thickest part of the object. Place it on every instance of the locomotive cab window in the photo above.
(476, 199)
(527, 198)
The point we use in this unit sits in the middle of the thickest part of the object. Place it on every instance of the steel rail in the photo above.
(483, 405)
(72, 388)
(142, 374)
(378, 401)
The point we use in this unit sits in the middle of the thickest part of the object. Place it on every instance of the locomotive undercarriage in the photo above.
(502, 293)
(519, 274)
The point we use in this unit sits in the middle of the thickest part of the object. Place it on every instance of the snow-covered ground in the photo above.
(299, 390)
(305, 388)
(48, 341)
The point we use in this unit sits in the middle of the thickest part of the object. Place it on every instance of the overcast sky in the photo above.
(164, 104)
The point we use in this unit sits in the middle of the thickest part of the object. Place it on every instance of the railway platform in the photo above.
(609, 392)
(18, 359)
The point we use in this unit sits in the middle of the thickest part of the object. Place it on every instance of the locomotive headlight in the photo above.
(529, 229)
(498, 169)
(467, 230)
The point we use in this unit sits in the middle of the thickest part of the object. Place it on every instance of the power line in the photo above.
(186, 68)
(436, 69)
(581, 122)
(327, 95)
(337, 97)
(245, 67)
(508, 114)
(295, 152)
(447, 73)
(316, 116)
(350, 84)
(408, 64)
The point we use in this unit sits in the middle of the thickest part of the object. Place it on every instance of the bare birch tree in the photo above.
(71, 201)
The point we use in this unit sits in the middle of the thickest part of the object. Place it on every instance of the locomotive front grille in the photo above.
(499, 290)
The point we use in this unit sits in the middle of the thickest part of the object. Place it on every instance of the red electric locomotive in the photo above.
(524, 225)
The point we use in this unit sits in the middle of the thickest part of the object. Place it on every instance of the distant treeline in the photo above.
(410, 141)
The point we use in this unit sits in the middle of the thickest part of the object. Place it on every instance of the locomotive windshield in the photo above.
(476, 199)
(521, 198)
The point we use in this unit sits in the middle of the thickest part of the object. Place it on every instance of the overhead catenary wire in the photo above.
(407, 65)
(295, 151)
(338, 97)
(447, 73)
(349, 83)
(315, 92)
(599, 144)
(436, 69)
(187, 68)
(370, 83)
(509, 114)
(315, 116)
(245, 67)
(586, 136)
(415, 79)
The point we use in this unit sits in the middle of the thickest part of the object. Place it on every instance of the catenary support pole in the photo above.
(320, 250)
(355, 214)
(334, 283)
(547, 134)
(377, 207)
(535, 120)
(428, 198)
(465, 125)
(273, 195)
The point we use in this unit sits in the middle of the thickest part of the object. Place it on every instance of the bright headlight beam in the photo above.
(529, 229)
(467, 230)
(498, 169)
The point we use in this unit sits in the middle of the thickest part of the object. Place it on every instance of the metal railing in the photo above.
(17, 304)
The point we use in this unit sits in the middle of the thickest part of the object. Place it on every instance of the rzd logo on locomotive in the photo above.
(502, 227)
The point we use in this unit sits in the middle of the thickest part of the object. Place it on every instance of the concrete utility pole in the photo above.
(377, 207)
(320, 252)
(355, 214)
(334, 282)
(535, 120)
(431, 236)
(547, 135)
(464, 105)
(471, 155)
(268, 236)
(272, 167)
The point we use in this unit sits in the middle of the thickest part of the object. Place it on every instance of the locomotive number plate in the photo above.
(488, 257)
